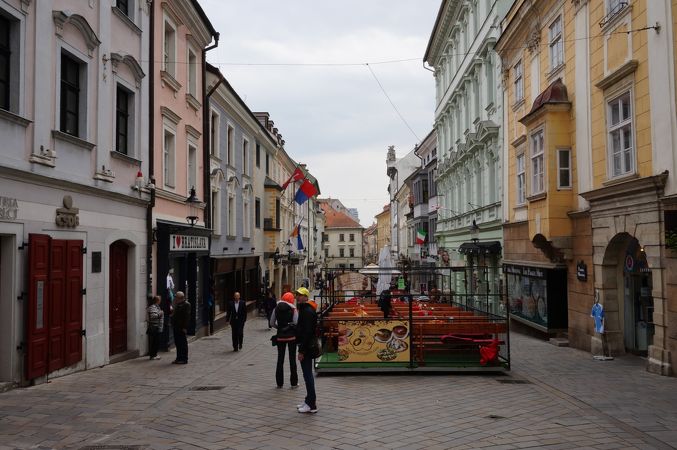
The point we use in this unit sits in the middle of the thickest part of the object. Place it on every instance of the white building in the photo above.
(398, 170)
(73, 177)
(343, 238)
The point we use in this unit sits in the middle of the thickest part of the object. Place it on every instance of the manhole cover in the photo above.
(512, 381)
(206, 388)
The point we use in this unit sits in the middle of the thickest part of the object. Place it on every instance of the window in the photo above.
(257, 213)
(258, 155)
(351, 252)
(521, 180)
(352, 266)
(5, 62)
(556, 44)
(231, 216)
(619, 127)
(123, 5)
(564, 168)
(342, 252)
(214, 134)
(70, 95)
(122, 120)
(245, 156)
(277, 212)
(169, 158)
(519, 82)
(341, 237)
(537, 174)
(192, 73)
(352, 237)
(216, 212)
(614, 6)
(169, 49)
(192, 166)
(267, 164)
(326, 253)
(246, 219)
(229, 134)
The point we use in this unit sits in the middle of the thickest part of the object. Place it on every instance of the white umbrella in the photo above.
(384, 277)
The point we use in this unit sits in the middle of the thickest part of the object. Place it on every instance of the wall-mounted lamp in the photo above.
(240, 249)
(192, 202)
(252, 249)
(225, 249)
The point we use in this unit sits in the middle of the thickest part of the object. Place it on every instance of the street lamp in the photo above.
(193, 203)
(474, 232)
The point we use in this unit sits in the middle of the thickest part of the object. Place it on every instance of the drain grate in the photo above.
(206, 388)
(513, 381)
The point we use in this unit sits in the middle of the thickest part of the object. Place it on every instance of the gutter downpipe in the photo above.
(206, 182)
(151, 156)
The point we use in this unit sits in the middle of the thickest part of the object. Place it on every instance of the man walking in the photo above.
(284, 318)
(308, 348)
(180, 321)
(236, 315)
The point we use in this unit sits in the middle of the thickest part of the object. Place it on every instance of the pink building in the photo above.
(182, 35)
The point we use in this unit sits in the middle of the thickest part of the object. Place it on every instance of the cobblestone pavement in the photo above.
(568, 401)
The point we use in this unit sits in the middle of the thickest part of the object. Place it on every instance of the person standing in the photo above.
(307, 347)
(236, 315)
(180, 321)
(385, 303)
(284, 318)
(155, 325)
(270, 304)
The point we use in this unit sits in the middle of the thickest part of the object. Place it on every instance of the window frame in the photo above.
(556, 43)
(342, 252)
(258, 155)
(257, 212)
(169, 61)
(6, 52)
(618, 127)
(69, 87)
(351, 237)
(232, 215)
(521, 197)
(192, 71)
(560, 169)
(126, 9)
(216, 212)
(342, 237)
(245, 156)
(230, 138)
(166, 155)
(518, 82)
(191, 174)
(214, 133)
(535, 156)
(128, 115)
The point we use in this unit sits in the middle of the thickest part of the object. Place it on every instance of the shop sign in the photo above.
(182, 242)
(524, 271)
(581, 271)
(629, 263)
(373, 341)
(68, 215)
(9, 208)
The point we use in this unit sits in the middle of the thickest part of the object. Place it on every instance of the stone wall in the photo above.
(580, 293)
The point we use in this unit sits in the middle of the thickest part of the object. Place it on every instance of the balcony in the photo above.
(268, 225)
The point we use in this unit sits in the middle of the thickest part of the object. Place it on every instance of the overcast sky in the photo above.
(335, 119)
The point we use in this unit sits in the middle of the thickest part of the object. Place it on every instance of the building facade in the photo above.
(589, 199)
(343, 243)
(468, 119)
(398, 170)
(383, 228)
(73, 177)
(369, 245)
(180, 222)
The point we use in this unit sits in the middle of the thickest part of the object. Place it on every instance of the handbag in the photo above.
(273, 340)
(315, 348)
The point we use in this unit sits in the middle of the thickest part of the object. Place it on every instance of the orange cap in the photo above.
(288, 297)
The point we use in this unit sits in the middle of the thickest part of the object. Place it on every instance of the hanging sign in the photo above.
(581, 271)
(629, 263)
(182, 242)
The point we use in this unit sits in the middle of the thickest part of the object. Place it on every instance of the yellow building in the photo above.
(382, 229)
(589, 144)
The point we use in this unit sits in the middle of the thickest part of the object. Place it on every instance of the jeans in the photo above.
(153, 342)
(238, 334)
(279, 372)
(309, 379)
(181, 342)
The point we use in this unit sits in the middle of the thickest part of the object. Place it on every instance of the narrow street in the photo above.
(554, 398)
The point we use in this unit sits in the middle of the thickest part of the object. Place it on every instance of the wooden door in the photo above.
(118, 298)
(38, 295)
(57, 304)
(73, 303)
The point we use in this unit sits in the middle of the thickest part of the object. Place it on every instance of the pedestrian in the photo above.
(236, 315)
(155, 325)
(308, 348)
(180, 320)
(284, 318)
(211, 298)
(385, 302)
(270, 304)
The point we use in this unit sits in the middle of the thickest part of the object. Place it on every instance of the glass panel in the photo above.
(615, 113)
(625, 101)
(627, 137)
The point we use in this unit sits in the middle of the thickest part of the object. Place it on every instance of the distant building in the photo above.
(343, 238)
(383, 228)
(369, 244)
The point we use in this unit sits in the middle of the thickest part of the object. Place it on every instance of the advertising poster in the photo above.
(353, 281)
(527, 294)
(373, 341)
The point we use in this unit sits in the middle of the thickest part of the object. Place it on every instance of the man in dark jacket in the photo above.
(308, 348)
(180, 321)
(284, 317)
(236, 315)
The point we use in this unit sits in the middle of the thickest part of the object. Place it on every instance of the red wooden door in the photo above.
(38, 296)
(57, 304)
(73, 303)
(118, 298)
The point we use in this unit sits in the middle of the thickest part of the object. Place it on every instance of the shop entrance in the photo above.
(6, 310)
(117, 298)
(627, 285)
(54, 320)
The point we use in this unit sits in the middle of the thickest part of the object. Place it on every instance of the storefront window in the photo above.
(528, 295)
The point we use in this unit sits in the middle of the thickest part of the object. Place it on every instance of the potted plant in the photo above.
(671, 239)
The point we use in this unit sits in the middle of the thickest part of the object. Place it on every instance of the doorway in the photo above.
(117, 301)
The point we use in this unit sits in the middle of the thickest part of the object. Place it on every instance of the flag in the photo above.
(296, 176)
(420, 236)
(297, 234)
(306, 191)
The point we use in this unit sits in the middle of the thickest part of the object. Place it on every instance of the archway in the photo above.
(628, 303)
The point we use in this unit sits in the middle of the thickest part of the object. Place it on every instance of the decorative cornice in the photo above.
(632, 187)
(126, 20)
(171, 115)
(618, 74)
(130, 62)
(170, 81)
(193, 102)
(193, 132)
(61, 136)
(25, 4)
(61, 18)
(11, 117)
(578, 4)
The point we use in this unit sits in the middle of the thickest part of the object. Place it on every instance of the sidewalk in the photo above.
(568, 401)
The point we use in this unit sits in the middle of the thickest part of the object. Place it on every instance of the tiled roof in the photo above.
(337, 219)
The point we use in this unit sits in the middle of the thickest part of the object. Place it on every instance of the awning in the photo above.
(480, 248)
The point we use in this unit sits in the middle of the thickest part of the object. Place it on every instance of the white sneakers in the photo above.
(305, 409)
(155, 358)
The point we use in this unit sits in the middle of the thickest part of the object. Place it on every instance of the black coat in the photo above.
(181, 315)
(239, 317)
(306, 328)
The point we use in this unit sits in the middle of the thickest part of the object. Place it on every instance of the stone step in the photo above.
(559, 341)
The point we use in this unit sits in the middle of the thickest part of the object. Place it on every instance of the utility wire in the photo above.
(391, 102)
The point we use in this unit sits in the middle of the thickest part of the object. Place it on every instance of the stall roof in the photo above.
(490, 247)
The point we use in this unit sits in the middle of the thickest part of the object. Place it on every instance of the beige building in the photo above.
(343, 238)
(369, 244)
(383, 228)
